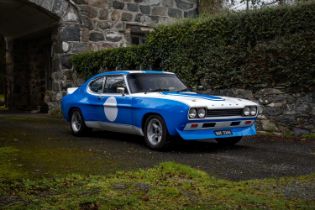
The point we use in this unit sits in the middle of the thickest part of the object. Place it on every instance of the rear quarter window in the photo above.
(97, 85)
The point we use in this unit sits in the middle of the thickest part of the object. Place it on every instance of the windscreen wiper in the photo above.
(157, 90)
(184, 90)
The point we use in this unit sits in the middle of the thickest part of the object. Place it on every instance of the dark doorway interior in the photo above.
(32, 70)
(28, 31)
(2, 72)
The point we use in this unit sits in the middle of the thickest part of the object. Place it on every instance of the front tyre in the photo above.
(77, 124)
(155, 132)
(229, 141)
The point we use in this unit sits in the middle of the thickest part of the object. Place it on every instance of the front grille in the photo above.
(224, 112)
(208, 125)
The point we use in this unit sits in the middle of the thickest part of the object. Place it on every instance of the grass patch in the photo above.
(166, 186)
(33, 163)
(8, 167)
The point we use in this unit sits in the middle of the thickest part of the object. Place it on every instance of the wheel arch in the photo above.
(145, 117)
(71, 109)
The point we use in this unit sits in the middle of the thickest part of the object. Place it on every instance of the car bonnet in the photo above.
(199, 100)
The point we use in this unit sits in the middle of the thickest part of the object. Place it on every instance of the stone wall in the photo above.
(74, 26)
(98, 24)
(283, 113)
(110, 24)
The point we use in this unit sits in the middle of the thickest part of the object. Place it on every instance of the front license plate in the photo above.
(223, 133)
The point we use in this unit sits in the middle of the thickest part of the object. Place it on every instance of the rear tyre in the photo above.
(77, 124)
(155, 132)
(229, 141)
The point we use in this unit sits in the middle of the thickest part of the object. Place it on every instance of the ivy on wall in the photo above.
(270, 47)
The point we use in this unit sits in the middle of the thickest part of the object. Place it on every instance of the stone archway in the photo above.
(32, 31)
(41, 35)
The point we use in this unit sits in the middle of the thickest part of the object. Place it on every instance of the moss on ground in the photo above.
(8, 169)
(50, 161)
(167, 186)
(44, 172)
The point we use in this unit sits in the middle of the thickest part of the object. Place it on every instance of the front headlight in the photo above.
(201, 112)
(253, 110)
(246, 111)
(192, 113)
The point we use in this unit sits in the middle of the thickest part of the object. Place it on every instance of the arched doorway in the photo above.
(27, 31)
(32, 71)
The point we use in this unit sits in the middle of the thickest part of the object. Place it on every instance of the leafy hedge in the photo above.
(266, 47)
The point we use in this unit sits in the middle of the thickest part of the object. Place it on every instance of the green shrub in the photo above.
(90, 63)
(264, 47)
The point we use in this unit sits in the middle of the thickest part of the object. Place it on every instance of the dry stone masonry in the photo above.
(284, 114)
(83, 25)
(108, 24)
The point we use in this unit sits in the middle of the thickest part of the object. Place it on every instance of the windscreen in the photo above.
(154, 83)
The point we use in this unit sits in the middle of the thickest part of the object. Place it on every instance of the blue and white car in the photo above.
(158, 106)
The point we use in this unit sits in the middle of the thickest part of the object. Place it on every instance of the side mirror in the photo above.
(121, 90)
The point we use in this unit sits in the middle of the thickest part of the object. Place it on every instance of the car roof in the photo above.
(124, 72)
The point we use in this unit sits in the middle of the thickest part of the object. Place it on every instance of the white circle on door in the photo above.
(110, 109)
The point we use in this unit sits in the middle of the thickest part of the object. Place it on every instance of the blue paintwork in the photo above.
(133, 109)
(174, 113)
(209, 134)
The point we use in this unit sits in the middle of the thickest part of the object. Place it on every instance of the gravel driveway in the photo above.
(47, 147)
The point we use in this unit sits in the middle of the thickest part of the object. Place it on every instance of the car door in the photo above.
(93, 104)
(117, 108)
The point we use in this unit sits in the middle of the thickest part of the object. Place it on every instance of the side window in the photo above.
(97, 85)
(113, 82)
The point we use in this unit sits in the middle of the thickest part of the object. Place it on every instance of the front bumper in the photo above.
(210, 133)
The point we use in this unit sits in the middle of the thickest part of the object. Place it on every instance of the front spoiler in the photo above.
(209, 133)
